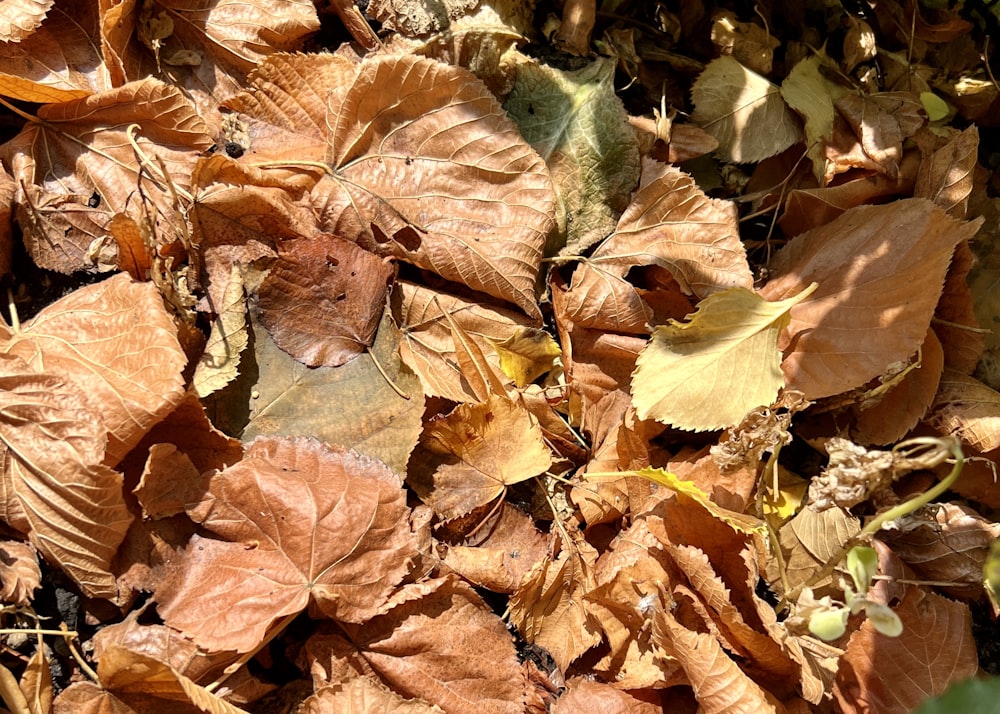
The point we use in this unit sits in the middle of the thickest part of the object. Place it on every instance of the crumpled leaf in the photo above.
(968, 409)
(55, 486)
(302, 522)
(91, 136)
(58, 61)
(880, 122)
(743, 111)
(673, 224)
(576, 121)
(205, 47)
(323, 299)
(399, 157)
(412, 17)
(469, 457)
(116, 342)
(219, 362)
(880, 270)
(709, 372)
(363, 695)
(20, 575)
(19, 18)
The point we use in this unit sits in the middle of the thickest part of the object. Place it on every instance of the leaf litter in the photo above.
(459, 363)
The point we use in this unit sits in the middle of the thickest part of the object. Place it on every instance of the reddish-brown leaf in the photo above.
(323, 299)
(301, 522)
(880, 270)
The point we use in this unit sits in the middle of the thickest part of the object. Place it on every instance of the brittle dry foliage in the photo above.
(495, 358)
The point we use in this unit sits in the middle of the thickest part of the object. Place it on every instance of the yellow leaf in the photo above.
(709, 372)
(527, 354)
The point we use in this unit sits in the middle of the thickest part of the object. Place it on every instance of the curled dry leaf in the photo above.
(398, 160)
(117, 344)
(323, 298)
(743, 111)
(205, 47)
(301, 523)
(92, 136)
(55, 485)
(59, 61)
(19, 18)
(20, 575)
(219, 363)
(673, 224)
(469, 457)
(880, 270)
(968, 409)
(880, 122)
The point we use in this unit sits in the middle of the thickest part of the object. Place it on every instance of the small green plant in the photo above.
(828, 619)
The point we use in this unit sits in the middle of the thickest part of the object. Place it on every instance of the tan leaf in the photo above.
(92, 136)
(956, 326)
(548, 607)
(945, 175)
(58, 61)
(207, 48)
(469, 457)
(363, 695)
(673, 224)
(36, 683)
(19, 18)
(600, 299)
(323, 298)
(129, 673)
(808, 541)
(302, 522)
(399, 157)
(878, 267)
(220, 361)
(55, 486)
(116, 342)
(416, 18)
(720, 686)
(893, 675)
(709, 372)
(289, 399)
(169, 481)
(743, 111)
(968, 409)
(440, 643)
(880, 122)
(584, 695)
(428, 346)
(20, 575)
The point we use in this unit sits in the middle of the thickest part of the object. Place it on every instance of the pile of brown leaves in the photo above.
(430, 375)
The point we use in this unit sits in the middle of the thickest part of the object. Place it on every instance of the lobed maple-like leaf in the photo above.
(709, 372)
(117, 344)
(300, 522)
(469, 457)
(880, 270)
(54, 484)
(323, 298)
(673, 224)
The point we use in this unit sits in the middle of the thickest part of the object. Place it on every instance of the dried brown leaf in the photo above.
(893, 675)
(361, 696)
(219, 362)
(435, 173)
(879, 270)
(440, 643)
(968, 409)
(91, 135)
(587, 696)
(20, 575)
(58, 61)
(19, 18)
(469, 457)
(116, 342)
(55, 486)
(302, 522)
(880, 122)
(673, 224)
(36, 683)
(323, 299)
(946, 174)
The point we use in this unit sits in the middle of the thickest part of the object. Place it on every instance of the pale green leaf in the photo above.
(577, 123)
(709, 372)
(829, 624)
(812, 95)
